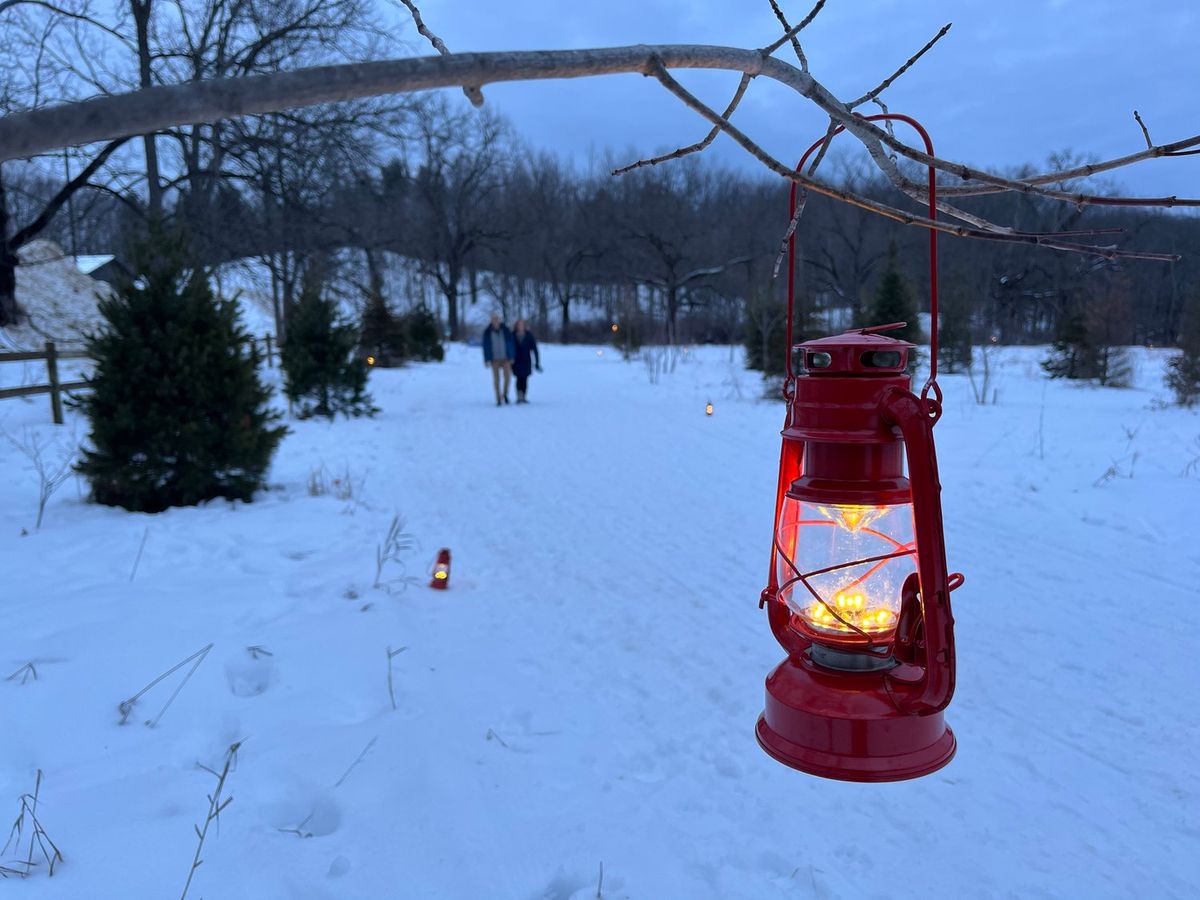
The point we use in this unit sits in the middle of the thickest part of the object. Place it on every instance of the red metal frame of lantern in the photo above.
(858, 592)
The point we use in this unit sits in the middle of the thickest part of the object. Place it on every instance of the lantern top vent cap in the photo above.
(860, 351)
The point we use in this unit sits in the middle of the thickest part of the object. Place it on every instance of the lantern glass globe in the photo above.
(855, 560)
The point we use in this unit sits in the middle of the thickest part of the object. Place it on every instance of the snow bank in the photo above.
(60, 301)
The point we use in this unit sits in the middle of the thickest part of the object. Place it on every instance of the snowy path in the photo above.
(587, 689)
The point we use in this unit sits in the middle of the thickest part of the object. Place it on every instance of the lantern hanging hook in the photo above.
(932, 404)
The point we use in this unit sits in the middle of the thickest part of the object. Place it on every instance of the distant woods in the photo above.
(471, 218)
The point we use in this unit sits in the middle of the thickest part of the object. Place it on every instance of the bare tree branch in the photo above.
(792, 32)
(886, 83)
(473, 92)
(1145, 131)
(166, 106)
(890, 212)
(699, 145)
(788, 33)
(34, 228)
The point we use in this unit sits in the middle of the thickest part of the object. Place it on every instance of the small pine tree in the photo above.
(178, 414)
(894, 301)
(628, 336)
(1183, 372)
(956, 348)
(381, 335)
(323, 373)
(1072, 354)
(766, 332)
(1109, 323)
(421, 337)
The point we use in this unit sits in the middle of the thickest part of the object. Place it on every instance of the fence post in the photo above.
(267, 337)
(52, 372)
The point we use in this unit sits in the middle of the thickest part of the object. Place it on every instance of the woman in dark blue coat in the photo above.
(525, 358)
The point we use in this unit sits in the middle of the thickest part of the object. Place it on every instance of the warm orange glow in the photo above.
(708, 409)
(370, 360)
(850, 611)
(614, 327)
(852, 518)
(441, 574)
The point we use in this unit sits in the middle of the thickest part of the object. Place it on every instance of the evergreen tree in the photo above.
(1071, 354)
(421, 337)
(1109, 323)
(894, 301)
(178, 414)
(323, 373)
(956, 347)
(1183, 372)
(766, 331)
(382, 336)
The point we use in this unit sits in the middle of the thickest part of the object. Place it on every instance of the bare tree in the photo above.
(455, 189)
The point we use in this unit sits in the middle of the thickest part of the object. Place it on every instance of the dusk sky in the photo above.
(1012, 82)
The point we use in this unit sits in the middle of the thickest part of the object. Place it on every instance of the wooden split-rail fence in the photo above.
(265, 348)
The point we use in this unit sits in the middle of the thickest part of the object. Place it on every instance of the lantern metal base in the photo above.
(843, 725)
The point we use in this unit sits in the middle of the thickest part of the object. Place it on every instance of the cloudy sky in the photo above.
(1012, 82)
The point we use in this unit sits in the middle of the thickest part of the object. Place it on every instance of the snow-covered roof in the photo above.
(89, 264)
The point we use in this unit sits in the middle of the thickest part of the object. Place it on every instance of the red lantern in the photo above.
(441, 570)
(858, 592)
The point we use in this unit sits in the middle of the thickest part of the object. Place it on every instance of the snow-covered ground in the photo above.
(585, 693)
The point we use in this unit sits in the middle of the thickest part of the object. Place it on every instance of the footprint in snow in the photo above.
(250, 672)
(305, 814)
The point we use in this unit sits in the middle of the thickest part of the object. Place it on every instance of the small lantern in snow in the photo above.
(441, 570)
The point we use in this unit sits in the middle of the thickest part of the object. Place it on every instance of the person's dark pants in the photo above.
(522, 385)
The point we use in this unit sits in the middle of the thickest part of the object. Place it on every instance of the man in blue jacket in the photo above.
(498, 351)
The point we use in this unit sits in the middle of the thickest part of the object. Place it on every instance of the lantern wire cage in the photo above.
(902, 549)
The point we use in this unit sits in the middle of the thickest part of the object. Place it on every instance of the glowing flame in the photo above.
(708, 409)
(370, 360)
(848, 612)
(852, 518)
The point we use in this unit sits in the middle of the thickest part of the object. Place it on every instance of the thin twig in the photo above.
(39, 840)
(392, 654)
(787, 29)
(138, 558)
(791, 32)
(25, 672)
(216, 806)
(125, 707)
(357, 760)
(1145, 130)
(699, 145)
(886, 83)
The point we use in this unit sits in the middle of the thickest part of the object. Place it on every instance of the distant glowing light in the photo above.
(614, 327)
(370, 360)
(708, 408)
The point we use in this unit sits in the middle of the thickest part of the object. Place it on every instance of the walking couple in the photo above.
(510, 353)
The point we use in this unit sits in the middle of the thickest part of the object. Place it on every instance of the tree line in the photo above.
(684, 251)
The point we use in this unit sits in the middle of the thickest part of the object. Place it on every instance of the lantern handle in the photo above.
(931, 382)
(935, 687)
